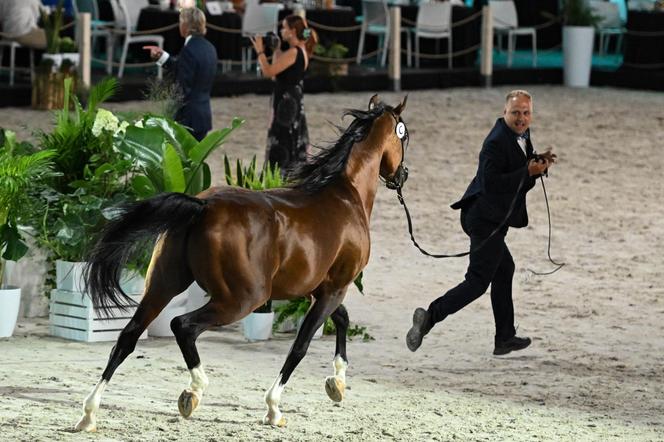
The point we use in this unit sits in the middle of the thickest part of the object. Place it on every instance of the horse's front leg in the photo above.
(321, 308)
(335, 386)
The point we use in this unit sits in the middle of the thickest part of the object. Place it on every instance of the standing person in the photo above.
(19, 22)
(288, 137)
(506, 162)
(194, 72)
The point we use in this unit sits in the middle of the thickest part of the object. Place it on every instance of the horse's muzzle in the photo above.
(398, 179)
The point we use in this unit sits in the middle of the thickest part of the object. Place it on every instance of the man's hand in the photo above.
(155, 52)
(541, 164)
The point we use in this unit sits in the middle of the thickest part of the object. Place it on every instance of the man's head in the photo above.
(192, 22)
(518, 111)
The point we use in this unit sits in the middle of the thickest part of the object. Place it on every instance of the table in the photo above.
(228, 44)
(643, 50)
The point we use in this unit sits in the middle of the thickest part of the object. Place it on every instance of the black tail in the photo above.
(118, 240)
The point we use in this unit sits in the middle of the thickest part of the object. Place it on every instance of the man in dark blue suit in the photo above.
(194, 72)
(494, 201)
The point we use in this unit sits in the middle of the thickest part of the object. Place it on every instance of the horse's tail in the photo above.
(121, 236)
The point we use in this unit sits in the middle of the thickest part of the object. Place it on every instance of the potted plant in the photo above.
(48, 84)
(578, 39)
(257, 326)
(329, 60)
(21, 171)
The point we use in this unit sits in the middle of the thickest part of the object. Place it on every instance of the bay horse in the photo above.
(245, 247)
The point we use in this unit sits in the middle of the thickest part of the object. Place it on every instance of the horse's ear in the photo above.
(373, 102)
(400, 108)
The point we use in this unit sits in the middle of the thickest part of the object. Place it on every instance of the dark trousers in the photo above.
(491, 264)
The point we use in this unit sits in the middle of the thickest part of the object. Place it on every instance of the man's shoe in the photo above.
(512, 344)
(421, 326)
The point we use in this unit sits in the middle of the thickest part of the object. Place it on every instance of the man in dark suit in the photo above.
(494, 201)
(194, 72)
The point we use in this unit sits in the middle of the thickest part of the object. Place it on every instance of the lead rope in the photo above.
(496, 230)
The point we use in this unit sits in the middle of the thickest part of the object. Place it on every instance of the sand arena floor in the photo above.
(594, 371)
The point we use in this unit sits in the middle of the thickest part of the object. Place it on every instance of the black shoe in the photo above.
(421, 326)
(512, 344)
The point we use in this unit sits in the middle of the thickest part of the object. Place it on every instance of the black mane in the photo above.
(323, 168)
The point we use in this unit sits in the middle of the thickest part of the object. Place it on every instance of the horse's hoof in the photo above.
(335, 388)
(187, 403)
(86, 424)
(276, 421)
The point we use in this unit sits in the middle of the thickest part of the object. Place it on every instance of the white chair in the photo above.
(434, 20)
(610, 24)
(505, 22)
(376, 21)
(123, 24)
(258, 19)
(13, 45)
(98, 28)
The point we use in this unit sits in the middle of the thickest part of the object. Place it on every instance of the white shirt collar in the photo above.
(186, 40)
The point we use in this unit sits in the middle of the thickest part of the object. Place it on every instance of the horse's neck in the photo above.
(362, 171)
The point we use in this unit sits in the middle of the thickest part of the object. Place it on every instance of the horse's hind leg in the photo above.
(322, 307)
(335, 386)
(161, 287)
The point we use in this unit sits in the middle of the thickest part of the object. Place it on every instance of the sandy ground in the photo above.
(594, 371)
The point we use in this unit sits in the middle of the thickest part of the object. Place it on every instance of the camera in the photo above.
(271, 41)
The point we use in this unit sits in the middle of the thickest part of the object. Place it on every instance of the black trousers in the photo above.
(492, 264)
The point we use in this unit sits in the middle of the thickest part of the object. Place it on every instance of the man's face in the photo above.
(184, 30)
(518, 112)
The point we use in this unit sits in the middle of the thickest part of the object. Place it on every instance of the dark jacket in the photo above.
(194, 71)
(502, 166)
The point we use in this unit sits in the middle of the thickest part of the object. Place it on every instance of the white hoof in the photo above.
(335, 388)
(87, 424)
(276, 419)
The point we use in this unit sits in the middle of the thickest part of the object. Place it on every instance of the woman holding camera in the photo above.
(287, 137)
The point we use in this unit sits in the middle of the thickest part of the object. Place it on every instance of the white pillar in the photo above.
(394, 67)
(486, 67)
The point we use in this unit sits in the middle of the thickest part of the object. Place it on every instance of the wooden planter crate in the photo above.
(48, 89)
(72, 316)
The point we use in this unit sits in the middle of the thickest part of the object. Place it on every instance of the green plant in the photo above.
(578, 13)
(335, 50)
(166, 95)
(168, 158)
(245, 176)
(68, 45)
(52, 25)
(92, 174)
(21, 172)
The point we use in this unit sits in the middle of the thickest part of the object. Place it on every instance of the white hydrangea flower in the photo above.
(105, 120)
(139, 123)
(122, 128)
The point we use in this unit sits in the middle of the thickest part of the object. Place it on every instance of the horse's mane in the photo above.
(324, 167)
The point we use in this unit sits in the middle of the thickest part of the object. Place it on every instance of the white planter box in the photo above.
(72, 316)
(578, 54)
(10, 300)
(132, 283)
(69, 276)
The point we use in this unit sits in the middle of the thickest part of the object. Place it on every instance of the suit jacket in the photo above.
(194, 71)
(502, 166)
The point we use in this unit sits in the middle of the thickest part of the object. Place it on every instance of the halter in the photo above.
(396, 181)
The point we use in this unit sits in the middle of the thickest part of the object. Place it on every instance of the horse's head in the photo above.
(392, 167)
